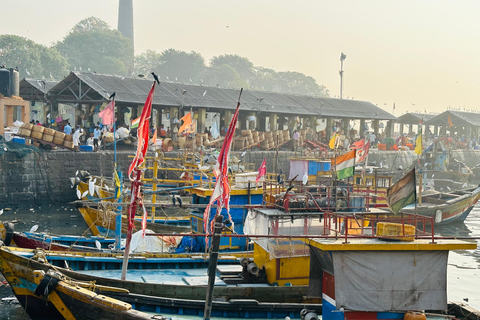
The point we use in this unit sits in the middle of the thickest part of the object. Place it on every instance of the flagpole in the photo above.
(114, 139)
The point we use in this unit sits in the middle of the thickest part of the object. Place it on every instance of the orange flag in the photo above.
(187, 120)
(154, 138)
(450, 121)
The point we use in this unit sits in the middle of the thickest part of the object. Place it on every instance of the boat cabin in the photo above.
(370, 278)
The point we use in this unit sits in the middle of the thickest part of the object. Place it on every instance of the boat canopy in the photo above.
(373, 280)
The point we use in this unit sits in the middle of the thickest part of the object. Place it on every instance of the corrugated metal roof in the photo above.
(35, 89)
(133, 91)
(458, 118)
(414, 118)
(41, 85)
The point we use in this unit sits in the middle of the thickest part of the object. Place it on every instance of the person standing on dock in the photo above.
(96, 136)
(76, 138)
(67, 129)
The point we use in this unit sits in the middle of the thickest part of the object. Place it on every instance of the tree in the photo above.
(93, 44)
(225, 76)
(39, 60)
(177, 65)
(241, 65)
(298, 83)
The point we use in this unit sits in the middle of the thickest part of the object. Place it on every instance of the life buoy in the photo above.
(307, 152)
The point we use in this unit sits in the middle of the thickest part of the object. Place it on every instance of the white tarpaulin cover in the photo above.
(298, 168)
(374, 281)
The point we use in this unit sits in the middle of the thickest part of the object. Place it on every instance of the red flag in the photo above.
(221, 192)
(362, 153)
(108, 114)
(262, 170)
(142, 133)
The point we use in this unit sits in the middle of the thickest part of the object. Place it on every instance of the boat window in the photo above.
(358, 180)
(383, 182)
(369, 181)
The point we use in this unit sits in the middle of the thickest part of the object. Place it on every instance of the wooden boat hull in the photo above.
(18, 269)
(42, 300)
(456, 209)
(102, 223)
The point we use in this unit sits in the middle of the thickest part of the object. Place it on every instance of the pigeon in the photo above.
(112, 96)
(155, 77)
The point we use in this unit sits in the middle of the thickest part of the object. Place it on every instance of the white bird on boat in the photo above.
(91, 187)
(34, 228)
(85, 193)
(98, 244)
(79, 194)
(1, 212)
(305, 178)
(175, 198)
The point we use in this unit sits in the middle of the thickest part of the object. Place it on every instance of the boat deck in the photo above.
(179, 277)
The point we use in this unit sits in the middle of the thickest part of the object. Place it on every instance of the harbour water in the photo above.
(463, 268)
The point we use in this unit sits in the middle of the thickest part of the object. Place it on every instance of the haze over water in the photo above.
(463, 266)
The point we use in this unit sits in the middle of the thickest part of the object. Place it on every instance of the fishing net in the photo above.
(20, 150)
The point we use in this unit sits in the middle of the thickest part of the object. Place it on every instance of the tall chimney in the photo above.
(125, 18)
(125, 26)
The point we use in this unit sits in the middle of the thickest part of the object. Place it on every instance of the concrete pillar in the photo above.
(252, 125)
(410, 128)
(435, 130)
(227, 118)
(158, 118)
(389, 130)
(313, 123)
(329, 128)
(174, 113)
(281, 123)
(261, 122)
(361, 132)
(202, 117)
(401, 128)
(273, 122)
(242, 119)
(26, 112)
(375, 127)
(9, 116)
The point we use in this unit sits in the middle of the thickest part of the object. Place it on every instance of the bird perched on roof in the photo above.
(155, 77)
(112, 95)
(175, 198)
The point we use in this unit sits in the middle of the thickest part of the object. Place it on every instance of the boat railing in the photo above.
(383, 225)
(299, 197)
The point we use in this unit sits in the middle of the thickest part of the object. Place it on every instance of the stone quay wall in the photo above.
(43, 177)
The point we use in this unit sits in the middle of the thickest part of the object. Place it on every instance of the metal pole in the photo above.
(212, 266)
(342, 57)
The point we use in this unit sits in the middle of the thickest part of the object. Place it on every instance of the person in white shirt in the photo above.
(76, 137)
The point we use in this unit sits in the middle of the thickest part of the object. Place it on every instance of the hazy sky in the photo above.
(419, 54)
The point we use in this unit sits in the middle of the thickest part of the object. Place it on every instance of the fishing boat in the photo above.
(33, 240)
(446, 207)
(390, 276)
(277, 283)
(62, 298)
